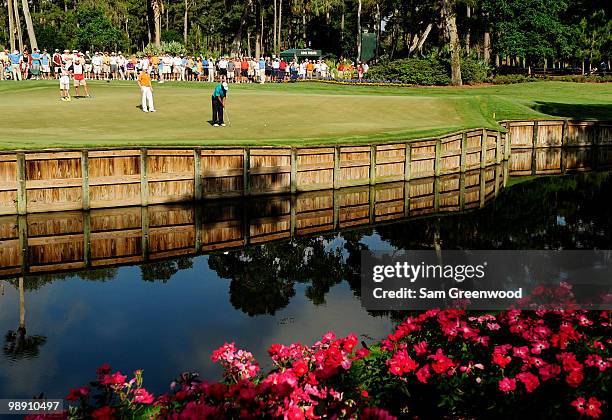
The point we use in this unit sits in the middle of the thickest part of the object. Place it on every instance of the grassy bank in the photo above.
(32, 116)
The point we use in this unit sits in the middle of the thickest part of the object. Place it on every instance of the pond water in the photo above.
(167, 316)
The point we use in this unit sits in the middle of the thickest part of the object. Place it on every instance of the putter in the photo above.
(229, 121)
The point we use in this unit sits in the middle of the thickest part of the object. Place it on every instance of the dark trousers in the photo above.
(217, 110)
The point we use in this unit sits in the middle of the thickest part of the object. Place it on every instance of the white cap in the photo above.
(225, 86)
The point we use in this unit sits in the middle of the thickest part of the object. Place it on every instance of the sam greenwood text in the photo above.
(452, 293)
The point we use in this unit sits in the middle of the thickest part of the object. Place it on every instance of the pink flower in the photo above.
(142, 396)
(574, 378)
(501, 360)
(507, 385)
(113, 379)
(442, 363)
(528, 379)
(423, 374)
(300, 367)
(420, 348)
(591, 408)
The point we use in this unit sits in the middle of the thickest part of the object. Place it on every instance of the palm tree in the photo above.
(28, 20)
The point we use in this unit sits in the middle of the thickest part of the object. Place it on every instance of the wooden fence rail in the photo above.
(61, 180)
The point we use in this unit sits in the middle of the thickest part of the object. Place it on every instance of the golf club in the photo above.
(229, 121)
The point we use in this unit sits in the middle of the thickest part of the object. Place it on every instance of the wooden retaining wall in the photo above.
(75, 240)
(61, 180)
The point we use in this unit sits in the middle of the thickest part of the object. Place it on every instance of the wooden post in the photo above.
(407, 161)
(463, 159)
(22, 204)
(22, 226)
(87, 238)
(197, 174)
(462, 191)
(144, 220)
(506, 172)
(246, 165)
(498, 169)
(534, 139)
(564, 133)
(85, 177)
(294, 163)
(508, 148)
(372, 165)
(438, 161)
(483, 149)
(337, 167)
(144, 182)
(498, 149)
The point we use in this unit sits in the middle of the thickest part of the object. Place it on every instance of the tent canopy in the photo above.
(301, 53)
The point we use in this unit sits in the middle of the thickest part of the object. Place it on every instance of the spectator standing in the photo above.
(57, 64)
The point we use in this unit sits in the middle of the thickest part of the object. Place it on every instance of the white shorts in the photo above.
(64, 83)
(45, 68)
(97, 69)
(166, 69)
(88, 68)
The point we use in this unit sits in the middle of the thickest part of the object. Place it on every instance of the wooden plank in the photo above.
(115, 180)
(8, 186)
(54, 240)
(306, 167)
(265, 170)
(294, 168)
(53, 183)
(222, 173)
(52, 156)
(246, 166)
(177, 176)
(222, 152)
(354, 163)
(270, 152)
(315, 151)
(170, 152)
(113, 153)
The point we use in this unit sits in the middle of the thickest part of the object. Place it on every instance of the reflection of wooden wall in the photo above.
(72, 240)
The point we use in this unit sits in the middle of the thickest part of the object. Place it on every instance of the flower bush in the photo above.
(439, 363)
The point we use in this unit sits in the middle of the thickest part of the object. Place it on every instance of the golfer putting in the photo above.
(218, 104)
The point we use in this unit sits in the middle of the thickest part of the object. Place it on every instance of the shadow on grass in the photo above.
(576, 111)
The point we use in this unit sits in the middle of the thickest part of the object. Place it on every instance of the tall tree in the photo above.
(28, 20)
(17, 23)
(11, 20)
(156, 14)
(359, 30)
(450, 21)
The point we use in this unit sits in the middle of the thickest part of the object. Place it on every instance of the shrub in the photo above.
(545, 363)
(173, 47)
(474, 71)
(418, 71)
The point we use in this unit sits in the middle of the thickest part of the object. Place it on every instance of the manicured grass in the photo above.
(32, 116)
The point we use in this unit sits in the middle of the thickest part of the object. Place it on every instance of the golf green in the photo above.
(32, 116)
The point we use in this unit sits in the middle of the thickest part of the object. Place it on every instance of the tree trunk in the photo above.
(258, 18)
(30, 27)
(341, 32)
(11, 19)
(450, 20)
(468, 31)
(237, 43)
(280, 25)
(418, 42)
(359, 31)
(274, 38)
(185, 22)
(486, 50)
(18, 24)
(304, 26)
(156, 9)
(378, 25)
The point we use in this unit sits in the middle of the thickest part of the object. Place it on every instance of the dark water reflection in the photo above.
(167, 316)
